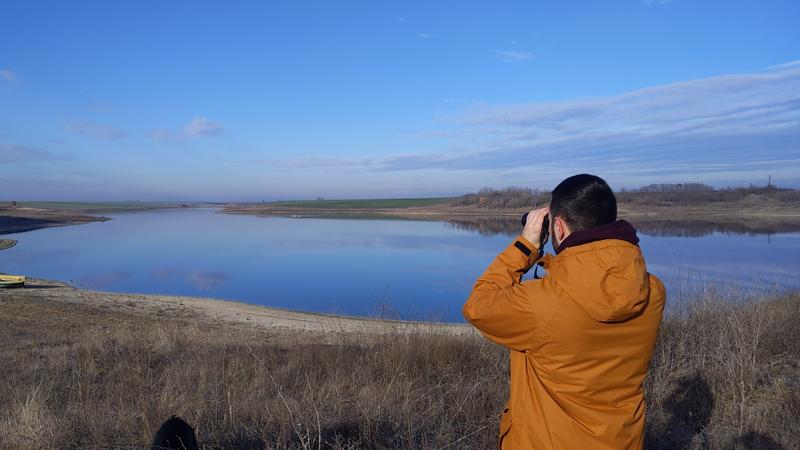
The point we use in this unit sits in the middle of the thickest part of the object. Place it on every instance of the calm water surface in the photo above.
(399, 268)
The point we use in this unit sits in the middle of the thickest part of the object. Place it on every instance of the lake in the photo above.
(393, 268)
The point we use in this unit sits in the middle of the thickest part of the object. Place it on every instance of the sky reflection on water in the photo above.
(421, 269)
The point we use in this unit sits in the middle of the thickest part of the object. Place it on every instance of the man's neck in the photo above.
(619, 229)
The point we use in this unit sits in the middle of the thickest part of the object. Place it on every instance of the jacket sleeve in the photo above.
(505, 309)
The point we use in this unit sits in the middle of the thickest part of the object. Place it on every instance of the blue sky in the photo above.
(232, 101)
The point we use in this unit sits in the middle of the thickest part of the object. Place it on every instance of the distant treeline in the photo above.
(673, 187)
(699, 194)
(664, 194)
(509, 198)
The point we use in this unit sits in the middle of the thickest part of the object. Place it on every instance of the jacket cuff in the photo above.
(525, 249)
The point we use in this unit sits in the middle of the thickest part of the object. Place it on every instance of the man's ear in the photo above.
(560, 228)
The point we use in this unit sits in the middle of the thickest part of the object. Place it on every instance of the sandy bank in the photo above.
(29, 216)
(220, 311)
(21, 219)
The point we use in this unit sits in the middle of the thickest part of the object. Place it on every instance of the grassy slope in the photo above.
(85, 376)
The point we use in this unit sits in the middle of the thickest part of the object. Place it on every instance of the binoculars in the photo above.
(545, 228)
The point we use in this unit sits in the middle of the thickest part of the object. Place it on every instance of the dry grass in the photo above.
(727, 371)
(82, 376)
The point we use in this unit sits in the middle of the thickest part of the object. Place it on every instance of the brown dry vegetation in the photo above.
(665, 195)
(82, 375)
(769, 206)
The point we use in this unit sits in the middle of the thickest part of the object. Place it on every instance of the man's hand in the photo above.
(533, 227)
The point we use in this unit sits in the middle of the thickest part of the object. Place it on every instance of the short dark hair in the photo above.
(584, 201)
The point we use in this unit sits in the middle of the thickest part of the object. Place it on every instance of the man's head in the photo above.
(578, 203)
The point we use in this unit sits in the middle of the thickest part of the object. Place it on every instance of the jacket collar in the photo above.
(619, 229)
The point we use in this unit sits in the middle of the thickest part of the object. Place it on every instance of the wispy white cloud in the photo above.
(322, 162)
(8, 75)
(424, 35)
(728, 101)
(200, 126)
(787, 65)
(513, 56)
(160, 134)
(94, 130)
(663, 132)
(11, 153)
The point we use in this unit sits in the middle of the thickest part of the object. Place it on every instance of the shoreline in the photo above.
(660, 221)
(228, 312)
(33, 216)
(789, 213)
(23, 219)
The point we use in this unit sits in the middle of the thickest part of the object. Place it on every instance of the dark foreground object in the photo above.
(175, 434)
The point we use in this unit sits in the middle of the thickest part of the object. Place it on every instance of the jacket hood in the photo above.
(619, 229)
(607, 276)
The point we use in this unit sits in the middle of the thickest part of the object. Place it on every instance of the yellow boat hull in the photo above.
(11, 281)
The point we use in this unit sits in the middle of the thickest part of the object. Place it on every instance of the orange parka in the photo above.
(581, 339)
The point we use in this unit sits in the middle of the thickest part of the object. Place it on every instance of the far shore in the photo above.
(764, 217)
(20, 220)
(28, 216)
(763, 214)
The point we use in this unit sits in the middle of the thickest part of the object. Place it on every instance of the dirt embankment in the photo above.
(20, 219)
(29, 216)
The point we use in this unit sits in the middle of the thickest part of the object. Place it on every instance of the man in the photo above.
(581, 337)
